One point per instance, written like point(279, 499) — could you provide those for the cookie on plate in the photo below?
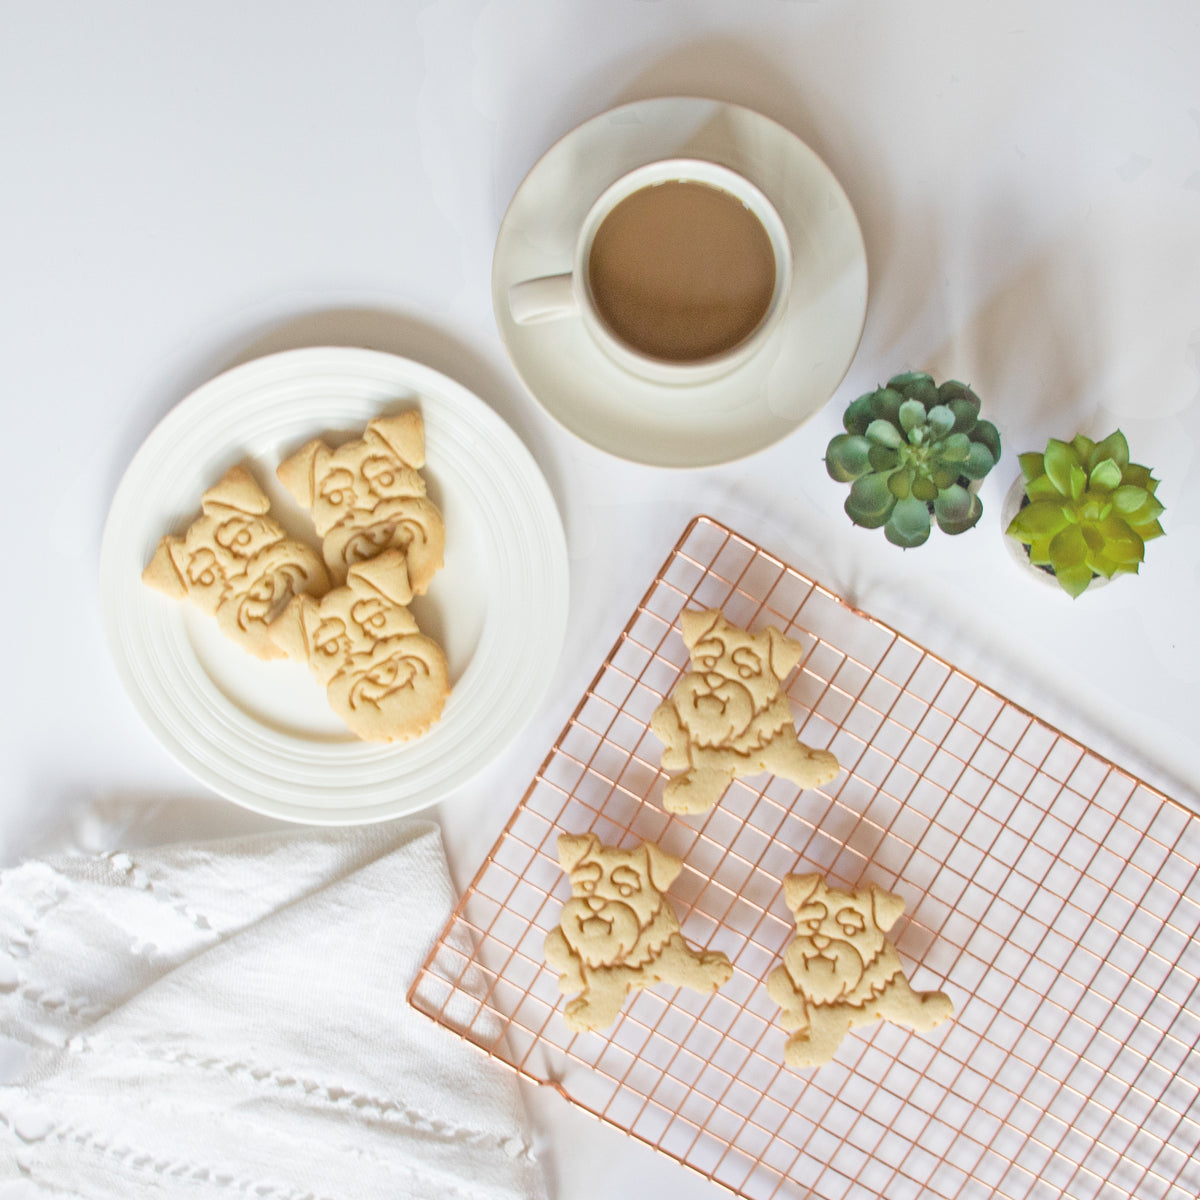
point(383, 677)
point(840, 971)
point(368, 496)
point(237, 563)
point(728, 716)
point(617, 932)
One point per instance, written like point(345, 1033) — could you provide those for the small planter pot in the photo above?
point(1014, 500)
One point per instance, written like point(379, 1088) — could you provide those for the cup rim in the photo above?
point(683, 169)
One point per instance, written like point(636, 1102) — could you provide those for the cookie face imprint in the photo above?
point(728, 716)
point(383, 677)
point(236, 563)
point(840, 971)
point(617, 932)
point(368, 496)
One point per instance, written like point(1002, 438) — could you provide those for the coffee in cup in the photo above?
point(681, 271)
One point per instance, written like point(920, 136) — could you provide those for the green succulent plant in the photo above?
point(910, 453)
point(1090, 511)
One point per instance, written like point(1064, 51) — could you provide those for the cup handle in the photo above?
point(544, 299)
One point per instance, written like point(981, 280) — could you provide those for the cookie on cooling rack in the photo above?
point(618, 933)
point(840, 971)
point(728, 716)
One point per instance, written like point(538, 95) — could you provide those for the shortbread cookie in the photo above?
point(839, 970)
point(728, 716)
point(617, 932)
point(236, 563)
point(384, 678)
point(368, 496)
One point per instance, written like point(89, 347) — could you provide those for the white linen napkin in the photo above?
point(228, 1019)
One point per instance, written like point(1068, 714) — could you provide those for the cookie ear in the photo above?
point(403, 434)
point(386, 575)
point(297, 473)
point(887, 906)
point(694, 624)
point(237, 489)
point(573, 848)
point(161, 572)
point(663, 866)
point(797, 889)
point(785, 653)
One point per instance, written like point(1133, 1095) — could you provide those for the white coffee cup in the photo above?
point(570, 296)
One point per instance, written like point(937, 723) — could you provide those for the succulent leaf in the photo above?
point(847, 457)
point(1105, 476)
point(1074, 580)
point(882, 458)
point(952, 389)
point(858, 414)
point(941, 421)
point(989, 435)
point(925, 489)
point(1033, 465)
point(1068, 548)
point(1116, 447)
point(885, 433)
point(1079, 482)
point(870, 501)
point(910, 379)
point(885, 404)
point(900, 484)
point(1084, 447)
point(951, 517)
point(1059, 459)
point(956, 448)
point(909, 524)
point(1038, 519)
point(912, 414)
point(980, 461)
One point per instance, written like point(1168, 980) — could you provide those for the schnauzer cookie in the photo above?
point(728, 715)
point(368, 496)
point(840, 971)
point(617, 931)
point(383, 677)
point(236, 563)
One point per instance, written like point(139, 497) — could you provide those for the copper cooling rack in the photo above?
point(1052, 895)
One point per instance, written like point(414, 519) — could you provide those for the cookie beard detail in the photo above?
point(830, 973)
point(713, 716)
point(388, 680)
point(602, 937)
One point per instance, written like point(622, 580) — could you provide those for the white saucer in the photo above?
point(760, 402)
point(262, 733)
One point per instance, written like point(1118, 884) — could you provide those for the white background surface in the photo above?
point(186, 186)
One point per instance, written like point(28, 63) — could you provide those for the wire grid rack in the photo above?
point(1053, 896)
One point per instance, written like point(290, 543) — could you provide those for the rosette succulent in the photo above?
point(911, 451)
point(1089, 511)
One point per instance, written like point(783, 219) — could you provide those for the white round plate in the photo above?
point(755, 405)
point(261, 733)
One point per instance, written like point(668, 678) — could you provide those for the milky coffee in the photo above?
point(681, 271)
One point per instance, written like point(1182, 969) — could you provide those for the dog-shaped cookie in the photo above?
point(236, 563)
point(617, 932)
point(382, 676)
point(368, 496)
point(840, 971)
point(728, 715)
